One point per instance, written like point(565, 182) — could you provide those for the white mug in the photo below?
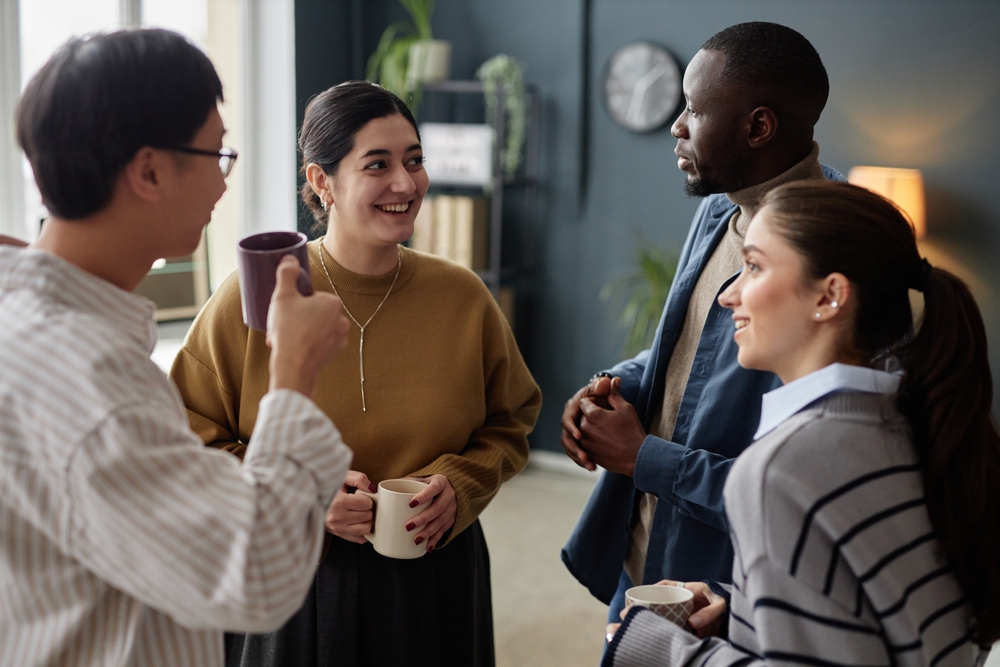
point(673, 603)
point(392, 511)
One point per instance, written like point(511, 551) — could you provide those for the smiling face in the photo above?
point(774, 307)
point(708, 130)
point(378, 187)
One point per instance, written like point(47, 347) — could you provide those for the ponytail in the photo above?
point(947, 393)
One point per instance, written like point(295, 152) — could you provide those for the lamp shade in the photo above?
point(903, 187)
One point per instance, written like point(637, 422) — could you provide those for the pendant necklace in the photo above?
point(361, 350)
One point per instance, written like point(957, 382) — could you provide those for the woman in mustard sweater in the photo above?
point(431, 386)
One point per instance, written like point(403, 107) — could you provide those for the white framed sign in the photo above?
point(457, 154)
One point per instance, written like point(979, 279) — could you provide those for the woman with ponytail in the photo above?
point(864, 517)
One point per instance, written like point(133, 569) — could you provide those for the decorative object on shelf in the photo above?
point(455, 227)
point(408, 55)
point(505, 72)
point(643, 293)
point(642, 86)
point(458, 153)
point(903, 187)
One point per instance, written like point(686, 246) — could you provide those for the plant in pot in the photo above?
point(642, 293)
point(408, 55)
point(504, 73)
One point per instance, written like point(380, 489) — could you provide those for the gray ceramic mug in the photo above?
point(259, 256)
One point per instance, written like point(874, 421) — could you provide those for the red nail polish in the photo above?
point(372, 488)
point(418, 540)
point(414, 503)
point(410, 526)
point(430, 548)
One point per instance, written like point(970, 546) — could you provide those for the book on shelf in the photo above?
point(455, 227)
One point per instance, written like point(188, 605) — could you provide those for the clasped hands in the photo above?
point(707, 614)
point(350, 515)
point(600, 428)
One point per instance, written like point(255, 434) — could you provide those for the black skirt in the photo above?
point(369, 610)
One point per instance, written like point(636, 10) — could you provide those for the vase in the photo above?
point(430, 60)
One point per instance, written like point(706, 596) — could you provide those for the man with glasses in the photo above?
point(125, 541)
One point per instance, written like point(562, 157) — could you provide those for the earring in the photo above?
point(834, 304)
point(323, 202)
point(818, 315)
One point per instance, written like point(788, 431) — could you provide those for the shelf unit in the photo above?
point(441, 94)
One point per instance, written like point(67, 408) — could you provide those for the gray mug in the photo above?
point(259, 256)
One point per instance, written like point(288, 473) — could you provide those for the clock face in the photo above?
point(642, 86)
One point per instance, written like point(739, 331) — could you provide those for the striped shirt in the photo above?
point(836, 560)
point(123, 540)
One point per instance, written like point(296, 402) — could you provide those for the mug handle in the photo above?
point(374, 496)
point(304, 283)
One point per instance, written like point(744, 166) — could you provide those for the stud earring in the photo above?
point(818, 315)
point(834, 304)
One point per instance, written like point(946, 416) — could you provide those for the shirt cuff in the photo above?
point(644, 639)
point(656, 466)
point(292, 426)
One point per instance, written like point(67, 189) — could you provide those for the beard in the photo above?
point(721, 173)
point(699, 187)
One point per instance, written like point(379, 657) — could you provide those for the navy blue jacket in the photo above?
point(718, 416)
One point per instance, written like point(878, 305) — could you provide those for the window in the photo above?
point(251, 44)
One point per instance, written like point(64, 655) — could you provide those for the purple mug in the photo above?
point(259, 256)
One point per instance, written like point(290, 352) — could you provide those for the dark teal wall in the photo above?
point(914, 83)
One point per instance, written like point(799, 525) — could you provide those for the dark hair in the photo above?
point(332, 119)
point(947, 388)
point(101, 98)
point(778, 64)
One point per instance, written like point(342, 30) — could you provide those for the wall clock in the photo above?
point(642, 86)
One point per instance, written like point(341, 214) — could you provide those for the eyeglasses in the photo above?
point(227, 156)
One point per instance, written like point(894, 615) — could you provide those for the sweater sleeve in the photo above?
point(498, 449)
point(792, 622)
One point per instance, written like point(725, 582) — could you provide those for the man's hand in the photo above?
point(610, 436)
point(597, 391)
point(350, 514)
point(304, 333)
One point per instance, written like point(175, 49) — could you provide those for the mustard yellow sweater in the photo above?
point(445, 385)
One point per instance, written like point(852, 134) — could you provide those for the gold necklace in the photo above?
point(361, 350)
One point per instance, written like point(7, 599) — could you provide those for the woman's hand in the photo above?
point(350, 514)
point(707, 613)
point(430, 525)
point(709, 608)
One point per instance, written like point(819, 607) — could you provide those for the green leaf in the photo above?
point(385, 45)
point(642, 293)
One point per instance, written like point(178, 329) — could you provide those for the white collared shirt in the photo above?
point(123, 539)
point(783, 402)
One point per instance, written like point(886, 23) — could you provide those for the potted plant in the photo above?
point(505, 73)
point(408, 55)
point(643, 293)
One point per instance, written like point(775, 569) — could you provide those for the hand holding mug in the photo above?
point(430, 525)
point(349, 516)
point(707, 610)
